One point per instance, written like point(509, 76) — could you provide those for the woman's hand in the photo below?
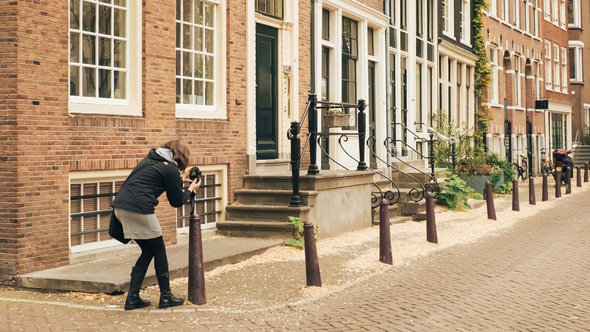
point(196, 184)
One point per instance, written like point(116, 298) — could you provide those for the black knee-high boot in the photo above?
point(167, 300)
point(133, 300)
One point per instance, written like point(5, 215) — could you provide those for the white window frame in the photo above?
point(577, 47)
point(506, 10)
point(547, 10)
point(518, 82)
point(132, 104)
point(493, 7)
point(562, 15)
point(548, 67)
point(555, 12)
point(556, 69)
point(536, 11)
point(219, 108)
point(495, 76)
point(517, 13)
point(449, 18)
point(577, 23)
point(465, 22)
point(564, 72)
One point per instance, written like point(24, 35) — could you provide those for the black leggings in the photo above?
point(152, 248)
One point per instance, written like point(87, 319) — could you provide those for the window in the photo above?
point(272, 8)
point(557, 130)
point(403, 9)
point(325, 89)
point(548, 66)
point(493, 7)
point(527, 16)
point(556, 68)
point(90, 210)
point(447, 17)
point(573, 13)
point(555, 11)
point(207, 203)
point(495, 80)
point(562, 15)
point(506, 10)
point(576, 70)
point(199, 63)
point(370, 41)
point(517, 13)
point(535, 20)
point(349, 59)
point(564, 77)
point(325, 24)
point(517, 71)
point(547, 10)
point(465, 22)
point(105, 57)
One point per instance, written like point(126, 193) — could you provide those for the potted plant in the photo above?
point(475, 169)
point(336, 117)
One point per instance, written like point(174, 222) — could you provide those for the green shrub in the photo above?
point(297, 239)
point(455, 193)
point(501, 170)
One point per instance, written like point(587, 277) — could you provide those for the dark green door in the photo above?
point(266, 92)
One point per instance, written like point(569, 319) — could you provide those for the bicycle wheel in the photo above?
point(525, 170)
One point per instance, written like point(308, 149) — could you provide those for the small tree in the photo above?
point(463, 137)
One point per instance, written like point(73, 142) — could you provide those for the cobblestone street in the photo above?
point(532, 277)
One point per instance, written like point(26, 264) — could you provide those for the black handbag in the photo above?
point(116, 229)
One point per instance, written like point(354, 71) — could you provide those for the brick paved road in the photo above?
point(534, 277)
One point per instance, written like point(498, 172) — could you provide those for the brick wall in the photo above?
point(8, 221)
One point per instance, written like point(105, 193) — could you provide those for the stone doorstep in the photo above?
point(111, 275)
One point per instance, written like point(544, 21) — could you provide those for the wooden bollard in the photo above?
point(515, 198)
point(532, 196)
point(312, 266)
point(490, 201)
point(545, 195)
point(558, 185)
point(578, 177)
point(384, 234)
point(431, 235)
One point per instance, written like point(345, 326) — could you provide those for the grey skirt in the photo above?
point(139, 226)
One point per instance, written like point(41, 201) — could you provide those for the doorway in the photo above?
point(266, 92)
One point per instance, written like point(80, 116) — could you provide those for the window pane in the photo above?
point(209, 93)
point(186, 10)
point(186, 64)
point(89, 49)
point(119, 54)
point(187, 91)
point(178, 34)
point(120, 79)
point(198, 12)
point(198, 39)
point(325, 24)
point(178, 63)
point(74, 81)
point(209, 67)
point(199, 99)
point(120, 3)
point(104, 83)
point(178, 94)
point(120, 20)
point(104, 58)
point(186, 36)
point(209, 41)
point(89, 18)
point(178, 4)
point(74, 47)
point(88, 78)
point(198, 73)
point(209, 18)
point(75, 14)
point(104, 20)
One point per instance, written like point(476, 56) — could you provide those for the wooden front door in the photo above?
point(266, 92)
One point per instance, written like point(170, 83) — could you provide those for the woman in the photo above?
point(134, 206)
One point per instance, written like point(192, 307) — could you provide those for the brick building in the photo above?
point(88, 86)
point(514, 44)
point(578, 18)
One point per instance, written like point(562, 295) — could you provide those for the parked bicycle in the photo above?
point(522, 167)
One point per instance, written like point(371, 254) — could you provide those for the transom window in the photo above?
point(99, 49)
point(195, 52)
point(273, 8)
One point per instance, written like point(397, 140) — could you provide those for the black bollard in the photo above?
point(578, 177)
point(384, 234)
point(586, 171)
point(558, 185)
point(490, 201)
point(515, 198)
point(196, 271)
point(545, 189)
point(431, 235)
point(568, 181)
point(312, 266)
point(532, 196)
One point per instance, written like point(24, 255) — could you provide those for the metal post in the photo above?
point(578, 177)
point(295, 163)
point(558, 185)
point(490, 201)
point(384, 234)
point(568, 181)
point(545, 195)
point(196, 271)
point(312, 117)
point(515, 198)
point(586, 171)
point(431, 152)
point(431, 234)
point(532, 196)
point(312, 266)
point(362, 122)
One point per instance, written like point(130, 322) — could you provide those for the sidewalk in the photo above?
point(276, 278)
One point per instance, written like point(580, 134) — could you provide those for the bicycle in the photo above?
point(521, 168)
point(546, 163)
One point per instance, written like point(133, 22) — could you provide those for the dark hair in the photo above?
point(180, 152)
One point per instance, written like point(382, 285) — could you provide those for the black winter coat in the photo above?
point(150, 178)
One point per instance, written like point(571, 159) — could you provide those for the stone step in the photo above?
point(414, 209)
point(272, 197)
point(272, 166)
point(258, 229)
point(265, 213)
point(419, 163)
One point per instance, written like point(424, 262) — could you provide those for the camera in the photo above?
point(194, 173)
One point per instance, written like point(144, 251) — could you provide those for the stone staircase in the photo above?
point(581, 155)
